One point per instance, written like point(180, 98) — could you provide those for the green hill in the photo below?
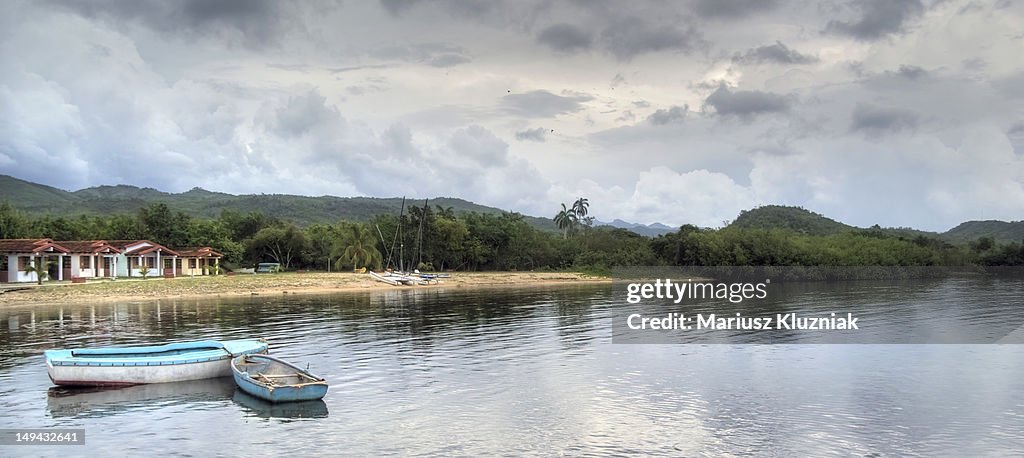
point(795, 219)
point(37, 199)
point(804, 221)
point(31, 196)
point(807, 222)
point(1000, 231)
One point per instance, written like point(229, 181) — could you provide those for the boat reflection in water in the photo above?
point(257, 407)
point(91, 402)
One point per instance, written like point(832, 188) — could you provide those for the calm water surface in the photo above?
point(507, 372)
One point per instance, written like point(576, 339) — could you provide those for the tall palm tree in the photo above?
point(358, 248)
point(565, 220)
point(580, 207)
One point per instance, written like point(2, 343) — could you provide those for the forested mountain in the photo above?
point(803, 221)
point(38, 199)
point(794, 219)
point(41, 200)
point(1000, 231)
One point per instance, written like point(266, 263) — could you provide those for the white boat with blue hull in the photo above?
point(175, 362)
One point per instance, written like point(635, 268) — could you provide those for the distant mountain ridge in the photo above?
point(999, 230)
point(650, 230)
point(805, 221)
point(39, 199)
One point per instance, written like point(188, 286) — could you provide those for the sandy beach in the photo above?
point(271, 284)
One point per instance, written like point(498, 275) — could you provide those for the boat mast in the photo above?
point(384, 244)
point(419, 234)
point(398, 233)
point(401, 239)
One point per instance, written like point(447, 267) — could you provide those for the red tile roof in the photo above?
point(139, 251)
point(101, 246)
point(88, 246)
point(199, 252)
point(30, 246)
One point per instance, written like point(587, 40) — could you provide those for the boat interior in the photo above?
point(274, 373)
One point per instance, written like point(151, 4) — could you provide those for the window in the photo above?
point(3, 263)
point(83, 262)
point(23, 262)
point(191, 263)
point(150, 262)
point(65, 262)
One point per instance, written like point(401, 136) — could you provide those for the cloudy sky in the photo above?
point(895, 112)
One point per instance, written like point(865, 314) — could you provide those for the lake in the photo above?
point(530, 371)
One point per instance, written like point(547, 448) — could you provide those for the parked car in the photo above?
point(268, 267)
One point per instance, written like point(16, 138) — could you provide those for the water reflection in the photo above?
point(257, 407)
point(101, 402)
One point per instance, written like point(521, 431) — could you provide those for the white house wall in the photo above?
point(12, 268)
point(14, 274)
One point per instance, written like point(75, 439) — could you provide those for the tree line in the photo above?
point(434, 238)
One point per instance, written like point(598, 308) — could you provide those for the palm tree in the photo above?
point(445, 212)
point(565, 220)
point(580, 207)
point(358, 248)
point(40, 268)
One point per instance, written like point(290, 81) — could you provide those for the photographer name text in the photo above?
point(714, 321)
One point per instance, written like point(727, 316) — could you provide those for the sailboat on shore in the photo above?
point(401, 276)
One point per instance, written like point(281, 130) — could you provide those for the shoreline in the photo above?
point(126, 290)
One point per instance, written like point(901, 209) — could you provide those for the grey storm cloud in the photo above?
point(463, 8)
point(878, 19)
point(397, 7)
point(873, 119)
point(479, 144)
point(543, 104)
point(911, 71)
point(632, 36)
point(673, 114)
point(534, 135)
point(303, 112)
point(260, 22)
point(728, 9)
point(1016, 135)
point(1017, 130)
point(773, 53)
point(746, 104)
point(565, 38)
point(624, 38)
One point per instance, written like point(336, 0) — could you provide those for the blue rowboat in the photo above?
point(176, 362)
point(275, 380)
